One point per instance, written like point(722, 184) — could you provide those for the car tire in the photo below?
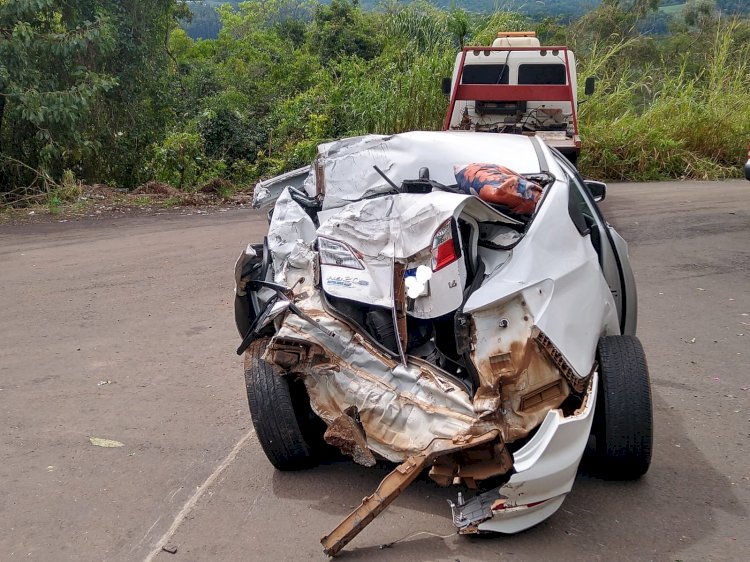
point(288, 430)
point(623, 420)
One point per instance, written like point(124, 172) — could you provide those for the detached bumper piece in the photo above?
point(391, 487)
point(545, 469)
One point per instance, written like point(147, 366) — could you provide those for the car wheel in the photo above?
point(289, 432)
point(623, 419)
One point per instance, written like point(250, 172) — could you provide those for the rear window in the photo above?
point(542, 74)
point(485, 74)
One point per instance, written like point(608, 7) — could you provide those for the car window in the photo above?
point(581, 201)
point(585, 204)
point(579, 211)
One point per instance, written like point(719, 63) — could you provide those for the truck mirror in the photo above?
point(447, 86)
point(590, 85)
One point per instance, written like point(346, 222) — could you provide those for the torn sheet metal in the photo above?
point(402, 410)
point(545, 469)
point(401, 227)
point(517, 377)
point(568, 299)
point(346, 433)
point(344, 169)
point(290, 239)
point(267, 192)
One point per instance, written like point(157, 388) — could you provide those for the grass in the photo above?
point(142, 201)
point(171, 202)
point(655, 124)
point(673, 10)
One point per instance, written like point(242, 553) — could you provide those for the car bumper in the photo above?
point(545, 469)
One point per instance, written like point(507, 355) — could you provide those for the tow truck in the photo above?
point(517, 86)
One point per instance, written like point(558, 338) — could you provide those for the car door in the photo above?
point(609, 245)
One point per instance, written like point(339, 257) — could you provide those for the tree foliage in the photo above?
point(114, 91)
point(80, 79)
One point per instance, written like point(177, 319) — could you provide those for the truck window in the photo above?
point(542, 74)
point(485, 74)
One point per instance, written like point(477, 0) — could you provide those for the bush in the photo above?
point(179, 160)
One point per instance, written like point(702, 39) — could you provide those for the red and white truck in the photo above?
point(517, 86)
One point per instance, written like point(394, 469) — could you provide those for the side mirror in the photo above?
point(590, 87)
point(597, 189)
point(447, 86)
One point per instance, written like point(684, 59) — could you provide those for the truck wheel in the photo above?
point(280, 409)
point(623, 418)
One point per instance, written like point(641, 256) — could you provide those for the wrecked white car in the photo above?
point(417, 301)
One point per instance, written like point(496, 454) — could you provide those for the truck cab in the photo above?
point(517, 86)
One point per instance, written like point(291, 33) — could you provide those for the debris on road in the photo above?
point(106, 443)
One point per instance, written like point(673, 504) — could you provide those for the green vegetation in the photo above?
point(85, 86)
point(649, 124)
point(672, 9)
point(114, 92)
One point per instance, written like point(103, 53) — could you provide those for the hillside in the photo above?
point(206, 24)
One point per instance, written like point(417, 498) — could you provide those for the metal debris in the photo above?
point(347, 434)
point(391, 487)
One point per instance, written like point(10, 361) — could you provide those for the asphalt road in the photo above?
point(122, 329)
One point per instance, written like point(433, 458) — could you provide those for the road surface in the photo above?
point(122, 329)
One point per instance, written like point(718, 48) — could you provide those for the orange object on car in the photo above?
point(500, 186)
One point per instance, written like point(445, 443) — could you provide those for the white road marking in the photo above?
point(190, 504)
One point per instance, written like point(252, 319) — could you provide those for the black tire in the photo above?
point(281, 413)
point(623, 421)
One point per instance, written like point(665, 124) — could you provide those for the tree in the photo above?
point(340, 30)
point(48, 82)
point(79, 78)
point(134, 114)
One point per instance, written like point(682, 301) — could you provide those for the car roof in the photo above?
point(349, 167)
